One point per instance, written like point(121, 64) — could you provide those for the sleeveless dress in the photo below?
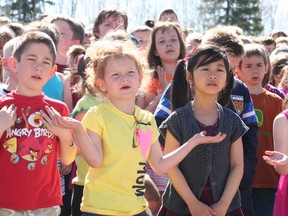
point(281, 200)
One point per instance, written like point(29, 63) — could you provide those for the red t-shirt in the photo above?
point(28, 156)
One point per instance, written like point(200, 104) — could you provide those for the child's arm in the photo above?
point(152, 101)
point(67, 151)
point(161, 164)
point(280, 137)
point(78, 116)
point(90, 143)
point(234, 178)
point(8, 118)
point(180, 184)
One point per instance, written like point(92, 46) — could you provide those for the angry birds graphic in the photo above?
point(28, 140)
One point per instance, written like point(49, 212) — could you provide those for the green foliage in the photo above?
point(26, 10)
point(243, 13)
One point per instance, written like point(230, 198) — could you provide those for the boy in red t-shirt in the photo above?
point(30, 144)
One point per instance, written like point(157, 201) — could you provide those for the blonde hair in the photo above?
point(101, 51)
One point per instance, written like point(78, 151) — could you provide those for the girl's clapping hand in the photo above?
point(162, 79)
point(54, 121)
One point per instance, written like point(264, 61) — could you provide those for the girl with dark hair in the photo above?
point(206, 182)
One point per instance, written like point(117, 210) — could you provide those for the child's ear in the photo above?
point(13, 64)
point(101, 84)
point(237, 72)
point(53, 70)
point(5, 62)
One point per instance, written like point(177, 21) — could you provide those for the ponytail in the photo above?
point(224, 95)
point(181, 93)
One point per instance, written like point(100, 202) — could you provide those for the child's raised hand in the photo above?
point(201, 138)
point(8, 117)
point(276, 158)
point(55, 123)
point(162, 78)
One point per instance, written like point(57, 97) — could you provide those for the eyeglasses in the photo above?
point(137, 128)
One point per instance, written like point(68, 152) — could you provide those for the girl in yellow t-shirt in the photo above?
point(117, 138)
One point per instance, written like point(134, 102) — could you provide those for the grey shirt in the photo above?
point(206, 161)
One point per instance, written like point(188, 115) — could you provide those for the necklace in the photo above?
point(137, 127)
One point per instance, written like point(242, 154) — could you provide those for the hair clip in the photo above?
point(187, 56)
point(81, 56)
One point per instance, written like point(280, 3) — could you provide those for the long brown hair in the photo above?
point(153, 60)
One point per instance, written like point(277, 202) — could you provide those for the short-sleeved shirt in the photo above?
point(54, 88)
point(267, 106)
point(117, 187)
point(86, 102)
point(209, 161)
point(28, 156)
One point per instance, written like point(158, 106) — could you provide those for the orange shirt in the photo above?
point(154, 84)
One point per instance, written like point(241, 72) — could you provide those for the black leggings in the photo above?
point(76, 200)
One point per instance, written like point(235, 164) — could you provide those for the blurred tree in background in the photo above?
point(243, 13)
point(251, 15)
point(24, 11)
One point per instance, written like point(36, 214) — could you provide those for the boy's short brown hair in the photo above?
point(35, 37)
point(142, 28)
point(266, 40)
point(226, 39)
point(275, 33)
point(106, 13)
point(46, 27)
point(167, 11)
point(76, 27)
point(6, 33)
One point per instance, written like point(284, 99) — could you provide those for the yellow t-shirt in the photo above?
point(117, 186)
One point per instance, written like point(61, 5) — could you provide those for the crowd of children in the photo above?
point(161, 120)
